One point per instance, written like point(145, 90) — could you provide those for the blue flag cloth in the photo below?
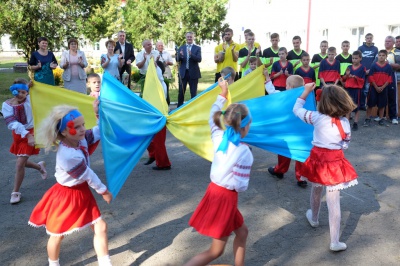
point(127, 126)
point(275, 128)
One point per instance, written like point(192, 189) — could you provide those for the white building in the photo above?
point(314, 21)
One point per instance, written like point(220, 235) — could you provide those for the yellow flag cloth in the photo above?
point(189, 123)
point(44, 97)
point(153, 91)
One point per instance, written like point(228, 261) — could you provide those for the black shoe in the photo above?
point(272, 172)
point(355, 127)
point(149, 161)
point(162, 168)
point(367, 122)
point(302, 184)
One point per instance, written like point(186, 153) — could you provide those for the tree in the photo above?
point(169, 20)
point(25, 21)
point(104, 21)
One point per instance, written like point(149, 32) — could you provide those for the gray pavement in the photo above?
point(148, 219)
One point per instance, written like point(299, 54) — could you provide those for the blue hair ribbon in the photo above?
point(230, 135)
point(68, 117)
point(16, 87)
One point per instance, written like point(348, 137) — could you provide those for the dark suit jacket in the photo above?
point(129, 54)
point(194, 60)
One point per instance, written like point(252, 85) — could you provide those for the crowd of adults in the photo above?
point(120, 56)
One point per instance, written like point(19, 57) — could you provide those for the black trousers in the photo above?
point(183, 81)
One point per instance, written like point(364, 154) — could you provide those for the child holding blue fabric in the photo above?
point(69, 205)
point(217, 215)
point(18, 116)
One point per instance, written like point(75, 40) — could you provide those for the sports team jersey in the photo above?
point(345, 61)
point(358, 81)
point(267, 54)
point(293, 57)
point(242, 56)
point(330, 72)
point(276, 68)
point(380, 74)
point(317, 58)
point(307, 75)
point(228, 60)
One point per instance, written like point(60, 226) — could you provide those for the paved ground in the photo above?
point(148, 220)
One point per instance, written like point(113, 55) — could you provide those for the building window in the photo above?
point(325, 33)
point(394, 30)
point(96, 46)
point(357, 35)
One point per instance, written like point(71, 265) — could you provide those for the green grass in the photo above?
point(9, 63)
point(207, 79)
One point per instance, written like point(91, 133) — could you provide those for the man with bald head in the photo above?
point(165, 58)
point(144, 56)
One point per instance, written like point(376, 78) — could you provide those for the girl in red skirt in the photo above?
point(217, 215)
point(17, 113)
point(69, 205)
point(326, 165)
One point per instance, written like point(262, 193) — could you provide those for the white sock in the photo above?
point(104, 261)
point(54, 262)
point(333, 202)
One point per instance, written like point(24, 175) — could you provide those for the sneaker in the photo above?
point(395, 121)
point(377, 119)
point(355, 126)
point(302, 184)
point(383, 123)
point(15, 197)
point(367, 122)
point(340, 246)
point(309, 218)
point(272, 172)
point(42, 170)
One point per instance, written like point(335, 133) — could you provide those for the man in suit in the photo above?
point(189, 56)
point(126, 49)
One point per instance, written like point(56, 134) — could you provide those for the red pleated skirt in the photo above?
point(64, 210)
point(217, 214)
point(20, 145)
point(328, 167)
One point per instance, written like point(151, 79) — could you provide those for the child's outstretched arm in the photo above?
point(223, 84)
point(305, 115)
point(309, 87)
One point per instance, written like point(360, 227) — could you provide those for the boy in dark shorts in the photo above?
point(380, 76)
point(353, 80)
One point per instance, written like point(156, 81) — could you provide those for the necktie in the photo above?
point(187, 56)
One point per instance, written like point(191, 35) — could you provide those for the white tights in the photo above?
point(333, 202)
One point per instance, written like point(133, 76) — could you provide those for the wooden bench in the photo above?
point(20, 67)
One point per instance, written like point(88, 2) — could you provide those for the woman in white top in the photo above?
point(74, 62)
point(112, 62)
